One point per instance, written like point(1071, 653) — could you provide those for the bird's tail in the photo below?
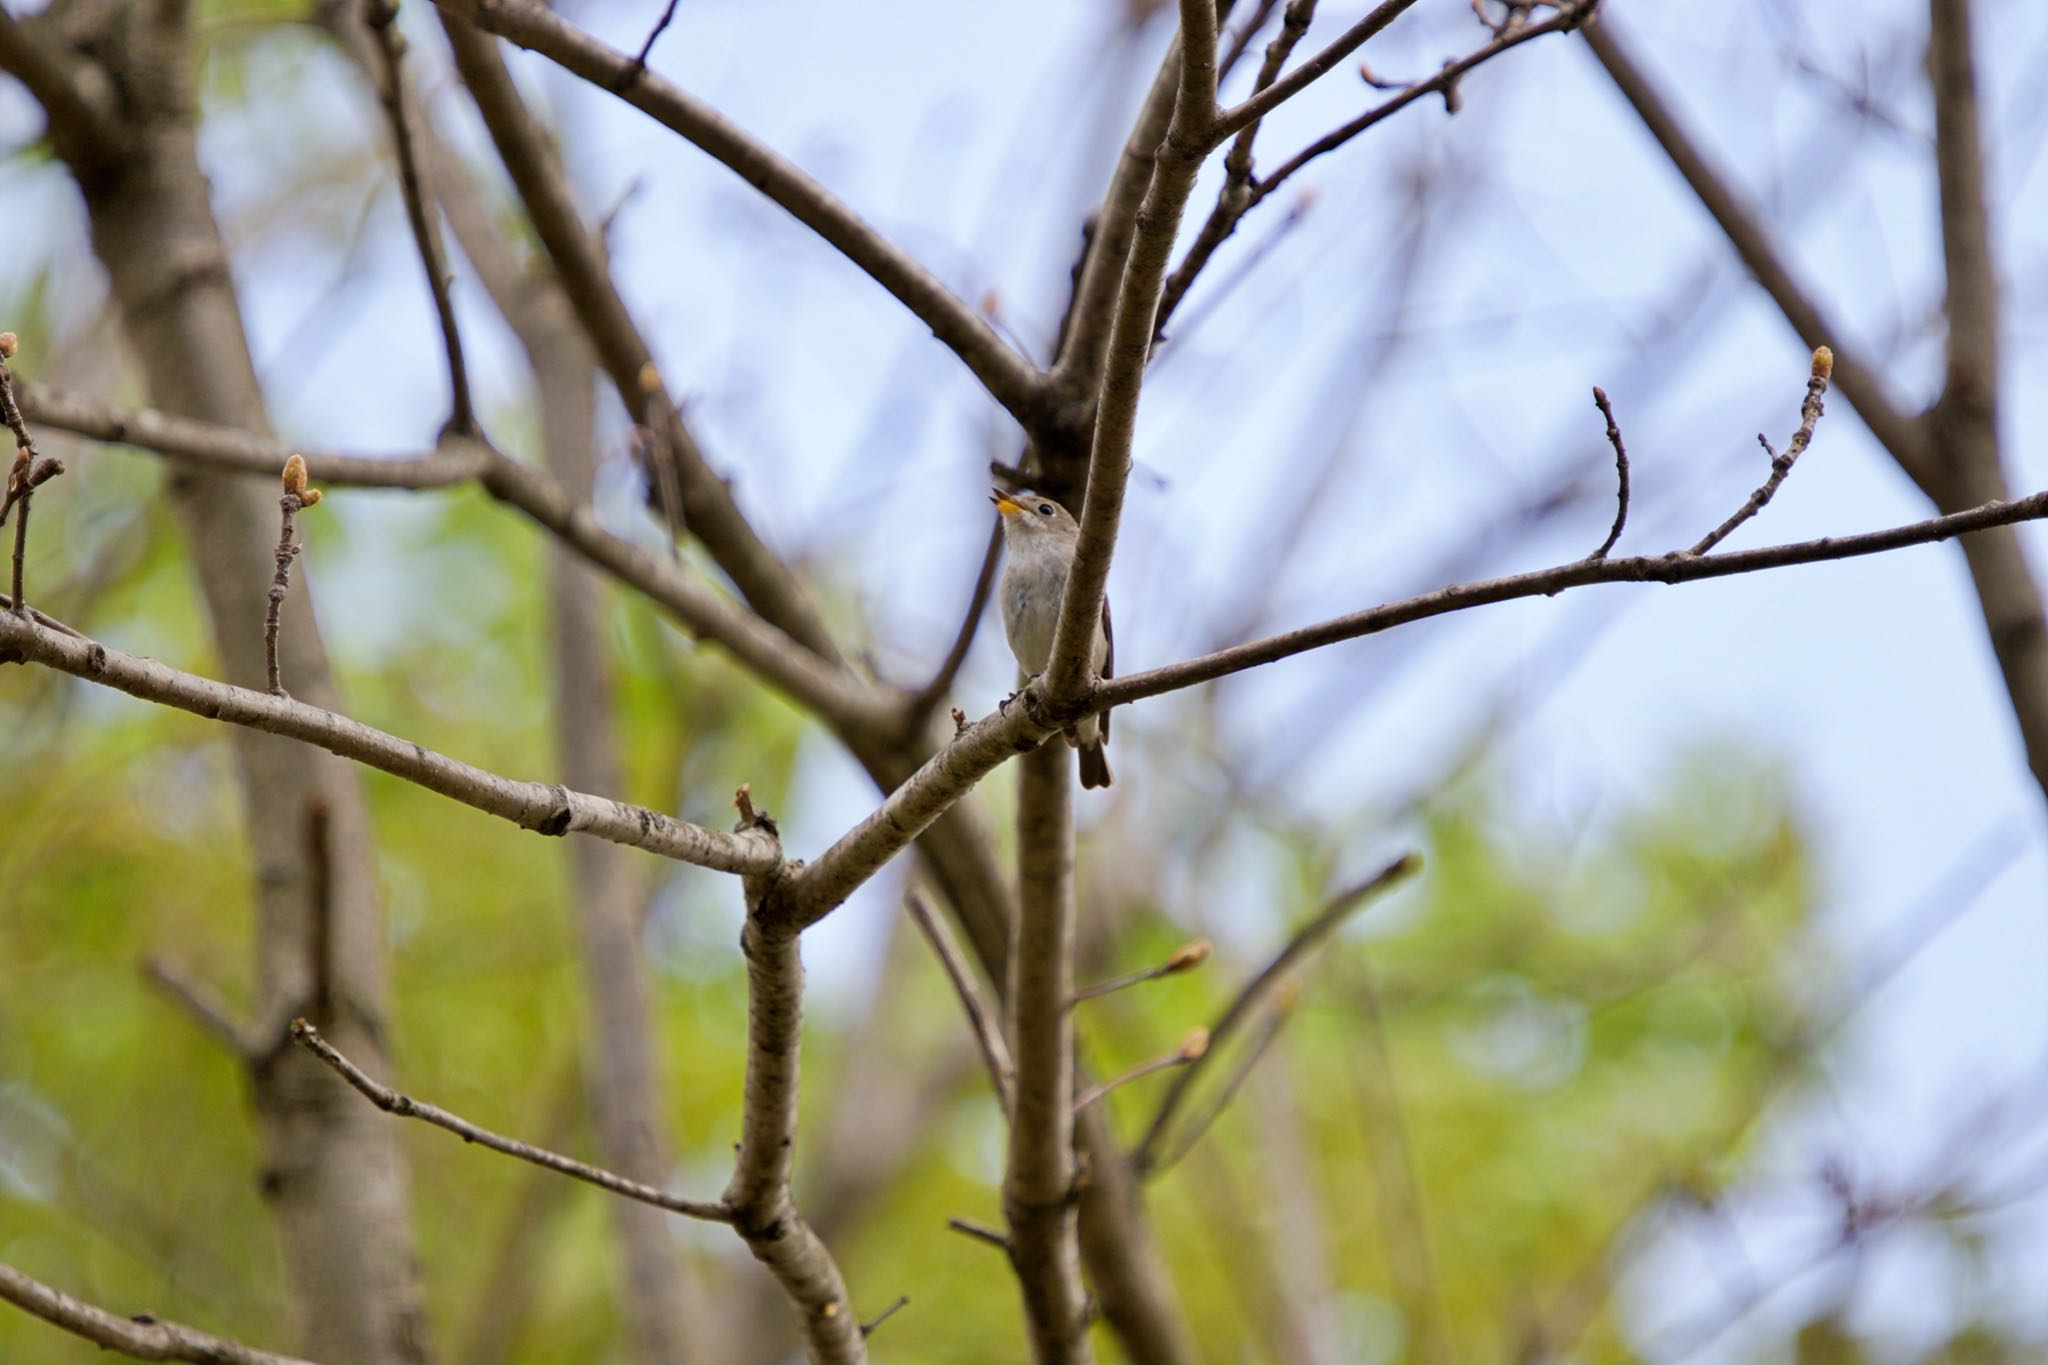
point(1095, 765)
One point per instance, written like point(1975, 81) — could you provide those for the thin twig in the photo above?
point(1568, 17)
point(28, 471)
point(295, 496)
point(22, 484)
point(1191, 1049)
point(1620, 475)
point(224, 448)
point(981, 1016)
point(934, 692)
point(141, 1336)
point(980, 1232)
point(1205, 1117)
point(1241, 40)
point(381, 17)
point(1270, 94)
point(18, 494)
point(1303, 941)
point(1781, 465)
point(201, 1002)
point(1247, 265)
point(404, 1106)
point(668, 15)
point(1185, 958)
point(867, 1329)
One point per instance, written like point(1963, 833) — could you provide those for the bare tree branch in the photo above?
point(1010, 378)
point(142, 1336)
point(381, 18)
point(1241, 38)
point(81, 119)
point(210, 446)
point(539, 806)
point(1970, 393)
point(1235, 196)
point(1180, 158)
point(1952, 452)
point(203, 1005)
point(1190, 1049)
point(1249, 1056)
point(1271, 93)
point(1304, 941)
point(580, 263)
point(406, 1107)
point(823, 884)
point(933, 693)
point(758, 1194)
point(1085, 330)
point(1620, 477)
point(1743, 226)
point(1038, 1179)
point(1675, 567)
point(1781, 465)
point(1185, 958)
point(828, 690)
point(295, 497)
point(1571, 14)
point(981, 1016)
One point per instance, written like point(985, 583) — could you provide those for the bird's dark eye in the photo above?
point(1045, 509)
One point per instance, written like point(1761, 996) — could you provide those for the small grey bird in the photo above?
point(1041, 538)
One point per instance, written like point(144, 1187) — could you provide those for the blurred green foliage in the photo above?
point(1479, 1085)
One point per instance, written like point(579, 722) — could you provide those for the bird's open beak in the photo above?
point(1006, 503)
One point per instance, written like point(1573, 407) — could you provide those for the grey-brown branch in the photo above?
point(543, 807)
point(404, 1106)
point(1781, 465)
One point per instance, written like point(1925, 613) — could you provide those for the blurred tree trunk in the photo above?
point(335, 1177)
point(625, 1096)
point(623, 1091)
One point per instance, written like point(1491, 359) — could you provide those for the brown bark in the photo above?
point(334, 1174)
point(1038, 1186)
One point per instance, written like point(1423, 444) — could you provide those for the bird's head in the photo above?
point(1033, 519)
